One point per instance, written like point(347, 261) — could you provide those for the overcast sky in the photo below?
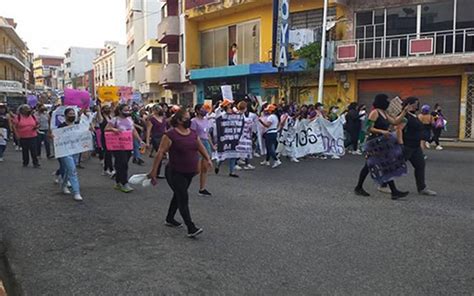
point(52, 26)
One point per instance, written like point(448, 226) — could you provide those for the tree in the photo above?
point(311, 53)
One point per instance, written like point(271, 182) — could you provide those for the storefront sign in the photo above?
point(281, 32)
point(10, 86)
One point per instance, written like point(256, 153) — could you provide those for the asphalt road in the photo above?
point(295, 230)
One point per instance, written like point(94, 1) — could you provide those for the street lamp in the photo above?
point(323, 54)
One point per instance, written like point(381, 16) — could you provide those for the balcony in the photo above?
point(171, 74)
point(168, 29)
point(425, 49)
point(15, 56)
point(153, 73)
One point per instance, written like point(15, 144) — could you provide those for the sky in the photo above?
point(52, 26)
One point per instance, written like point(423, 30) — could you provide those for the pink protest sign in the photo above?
point(126, 93)
point(119, 141)
point(74, 97)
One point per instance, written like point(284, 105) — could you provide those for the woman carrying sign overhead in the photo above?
point(183, 146)
point(122, 123)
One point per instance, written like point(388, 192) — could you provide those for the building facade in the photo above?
point(14, 62)
point(215, 26)
point(44, 68)
point(109, 65)
point(141, 26)
point(78, 60)
point(410, 48)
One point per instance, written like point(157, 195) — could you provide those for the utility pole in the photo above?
point(323, 54)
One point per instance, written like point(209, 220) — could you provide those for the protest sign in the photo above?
point(234, 137)
point(126, 94)
point(385, 159)
point(79, 98)
point(395, 107)
point(3, 136)
point(72, 140)
point(137, 98)
point(304, 137)
point(108, 94)
point(227, 92)
point(119, 141)
point(57, 117)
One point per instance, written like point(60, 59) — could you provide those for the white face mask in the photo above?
point(335, 111)
point(362, 112)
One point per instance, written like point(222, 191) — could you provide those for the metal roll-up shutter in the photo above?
point(443, 90)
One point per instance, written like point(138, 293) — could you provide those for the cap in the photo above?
point(226, 102)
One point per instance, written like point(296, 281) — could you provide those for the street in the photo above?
point(295, 230)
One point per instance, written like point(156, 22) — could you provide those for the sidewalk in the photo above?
point(447, 143)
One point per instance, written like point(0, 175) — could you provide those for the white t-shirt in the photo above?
point(273, 119)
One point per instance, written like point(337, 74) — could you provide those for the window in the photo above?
point(248, 42)
point(465, 17)
point(157, 55)
point(207, 49)
point(437, 16)
point(214, 48)
point(181, 48)
point(401, 20)
point(309, 19)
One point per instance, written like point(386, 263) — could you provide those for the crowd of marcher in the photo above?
point(185, 139)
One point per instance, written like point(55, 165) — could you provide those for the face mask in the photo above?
point(187, 123)
point(71, 118)
point(335, 111)
point(203, 112)
point(126, 113)
point(312, 114)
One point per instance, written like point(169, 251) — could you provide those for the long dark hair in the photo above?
point(178, 116)
point(119, 109)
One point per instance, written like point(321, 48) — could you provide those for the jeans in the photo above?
point(271, 144)
point(2, 150)
point(121, 166)
point(70, 173)
point(29, 147)
point(43, 138)
point(417, 158)
point(179, 183)
point(136, 149)
point(60, 171)
point(232, 164)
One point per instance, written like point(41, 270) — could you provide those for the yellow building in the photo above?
point(14, 68)
point(212, 29)
point(410, 49)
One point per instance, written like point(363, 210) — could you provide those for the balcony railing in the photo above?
point(13, 52)
point(403, 46)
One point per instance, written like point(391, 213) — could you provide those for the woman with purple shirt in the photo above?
point(201, 125)
point(122, 122)
point(183, 146)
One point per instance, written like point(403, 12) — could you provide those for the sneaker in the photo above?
point(241, 162)
point(323, 157)
point(238, 167)
point(427, 145)
point(427, 192)
point(384, 189)
point(204, 192)
point(233, 175)
point(1, 159)
point(79, 166)
point(294, 159)
point(216, 170)
point(267, 163)
point(425, 157)
point(66, 190)
point(193, 232)
point(335, 157)
point(57, 179)
point(256, 154)
point(118, 186)
point(77, 197)
point(399, 194)
point(36, 166)
point(357, 152)
point(173, 223)
point(361, 192)
point(104, 173)
point(249, 167)
point(276, 164)
point(126, 188)
point(17, 148)
point(439, 147)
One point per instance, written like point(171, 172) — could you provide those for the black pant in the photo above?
point(29, 147)
point(363, 175)
point(179, 183)
point(417, 158)
point(43, 138)
point(436, 135)
point(121, 166)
